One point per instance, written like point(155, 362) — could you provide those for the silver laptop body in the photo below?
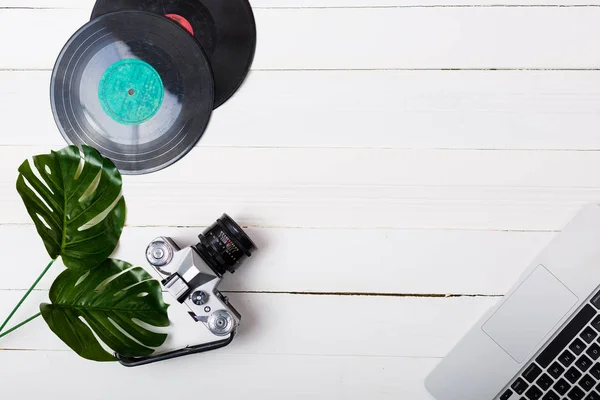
point(511, 353)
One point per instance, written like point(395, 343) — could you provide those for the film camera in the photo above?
point(192, 276)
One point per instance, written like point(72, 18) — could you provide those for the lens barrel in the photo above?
point(224, 245)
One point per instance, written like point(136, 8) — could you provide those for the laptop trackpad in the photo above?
point(530, 313)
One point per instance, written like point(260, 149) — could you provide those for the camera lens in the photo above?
point(225, 245)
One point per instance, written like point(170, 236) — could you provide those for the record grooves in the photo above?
point(225, 29)
point(137, 87)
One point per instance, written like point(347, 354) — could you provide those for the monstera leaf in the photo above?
point(107, 301)
point(74, 198)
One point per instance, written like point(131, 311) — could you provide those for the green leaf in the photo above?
point(109, 299)
point(74, 198)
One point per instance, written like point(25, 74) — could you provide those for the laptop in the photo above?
point(542, 340)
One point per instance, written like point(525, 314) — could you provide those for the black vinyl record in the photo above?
point(225, 29)
point(135, 86)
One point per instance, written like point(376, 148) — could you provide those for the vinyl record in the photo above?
point(224, 28)
point(135, 86)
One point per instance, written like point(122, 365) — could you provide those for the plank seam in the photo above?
point(258, 354)
point(384, 148)
point(468, 69)
point(326, 228)
point(336, 294)
point(367, 294)
point(358, 7)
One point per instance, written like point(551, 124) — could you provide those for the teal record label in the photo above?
point(131, 91)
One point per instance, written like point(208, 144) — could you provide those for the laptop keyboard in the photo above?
point(568, 367)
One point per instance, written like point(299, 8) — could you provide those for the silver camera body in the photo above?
point(192, 281)
point(192, 275)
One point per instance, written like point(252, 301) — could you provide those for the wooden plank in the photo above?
point(352, 188)
point(329, 260)
point(257, 4)
point(363, 38)
point(390, 109)
point(302, 325)
point(216, 376)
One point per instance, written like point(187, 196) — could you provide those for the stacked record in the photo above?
point(140, 81)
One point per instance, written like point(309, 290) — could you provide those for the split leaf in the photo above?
point(74, 198)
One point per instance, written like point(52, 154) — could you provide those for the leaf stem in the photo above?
point(24, 298)
point(28, 320)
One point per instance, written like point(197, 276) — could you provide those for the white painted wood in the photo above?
point(360, 167)
point(390, 109)
point(303, 325)
point(58, 375)
point(329, 260)
point(257, 4)
point(363, 38)
point(352, 188)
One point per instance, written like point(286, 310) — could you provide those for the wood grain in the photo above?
point(257, 4)
point(380, 109)
point(364, 38)
point(383, 154)
point(274, 377)
point(352, 188)
point(329, 260)
point(303, 325)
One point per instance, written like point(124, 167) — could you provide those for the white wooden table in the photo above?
point(399, 162)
